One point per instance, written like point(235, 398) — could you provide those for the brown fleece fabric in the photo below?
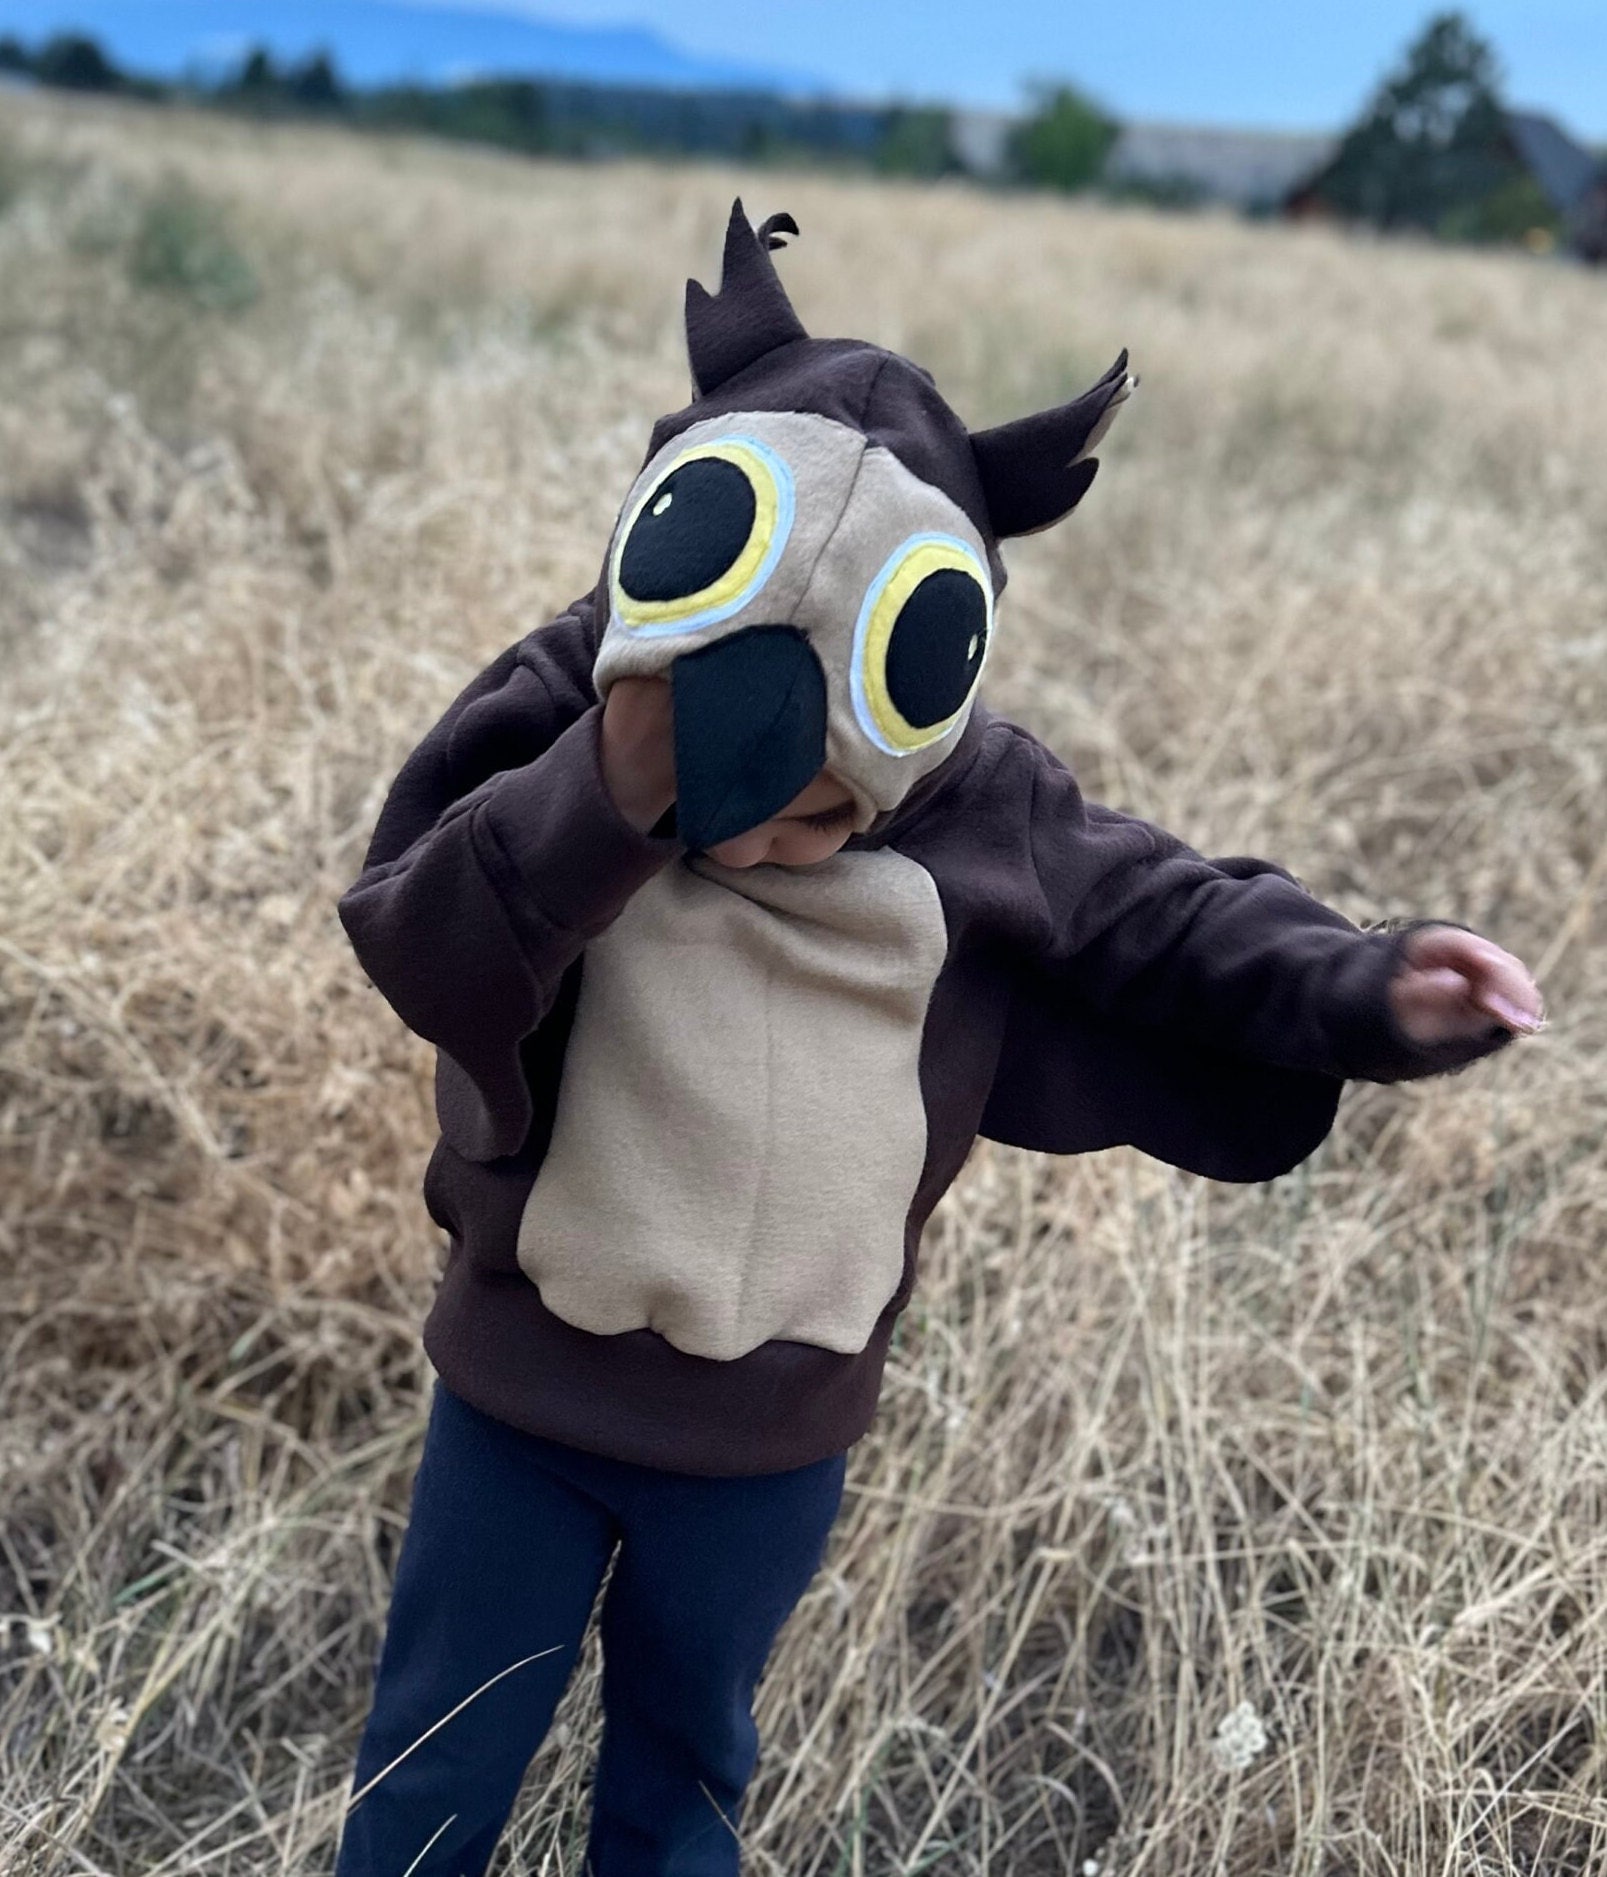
point(1100, 983)
point(693, 1121)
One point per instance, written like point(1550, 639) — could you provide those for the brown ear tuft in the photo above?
point(766, 232)
point(1036, 470)
point(750, 315)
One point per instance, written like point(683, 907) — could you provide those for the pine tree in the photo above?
point(1432, 143)
point(314, 84)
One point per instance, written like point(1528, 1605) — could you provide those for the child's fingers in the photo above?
point(1450, 945)
point(1495, 981)
point(1516, 1009)
point(1515, 1019)
point(1505, 991)
point(1504, 987)
point(1442, 987)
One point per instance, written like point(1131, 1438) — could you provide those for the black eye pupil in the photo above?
point(936, 647)
point(690, 533)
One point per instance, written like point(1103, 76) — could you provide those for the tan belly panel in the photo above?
point(740, 1128)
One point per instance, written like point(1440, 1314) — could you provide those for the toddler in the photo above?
point(735, 917)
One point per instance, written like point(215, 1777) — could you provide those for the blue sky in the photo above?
point(1228, 61)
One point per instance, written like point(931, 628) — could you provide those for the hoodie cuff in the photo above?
point(560, 848)
point(1368, 1042)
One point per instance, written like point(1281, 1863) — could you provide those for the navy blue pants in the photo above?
point(507, 1541)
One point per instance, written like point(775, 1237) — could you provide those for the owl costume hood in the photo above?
point(693, 1119)
point(810, 553)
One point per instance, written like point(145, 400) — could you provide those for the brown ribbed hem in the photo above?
point(635, 1396)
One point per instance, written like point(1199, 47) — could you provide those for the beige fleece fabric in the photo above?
point(740, 1127)
point(855, 504)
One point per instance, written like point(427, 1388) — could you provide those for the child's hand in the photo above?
point(639, 749)
point(1453, 982)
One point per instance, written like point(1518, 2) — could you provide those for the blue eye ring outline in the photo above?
point(786, 508)
point(856, 663)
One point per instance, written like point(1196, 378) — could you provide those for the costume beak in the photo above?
point(750, 730)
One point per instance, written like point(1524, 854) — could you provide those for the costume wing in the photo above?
point(1072, 1078)
point(1205, 1011)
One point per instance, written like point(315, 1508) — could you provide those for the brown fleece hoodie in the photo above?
point(694, 1119)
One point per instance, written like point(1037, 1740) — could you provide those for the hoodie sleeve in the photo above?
point(1234, 953)
point(1206, 1012)
point(499, 853)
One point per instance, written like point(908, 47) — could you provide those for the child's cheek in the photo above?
point(743, 850)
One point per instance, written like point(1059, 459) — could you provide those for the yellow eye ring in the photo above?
point(771, 482)
point(903, 571)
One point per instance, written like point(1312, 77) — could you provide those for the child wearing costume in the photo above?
point(735, 917)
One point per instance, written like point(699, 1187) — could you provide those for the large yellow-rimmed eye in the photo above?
point(703, 537)
point(919, 642)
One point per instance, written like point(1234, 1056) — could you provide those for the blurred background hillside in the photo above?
point(1235, 1530)
point(1437, 146)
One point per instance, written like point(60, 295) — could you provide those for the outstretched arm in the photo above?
point(1237, 954)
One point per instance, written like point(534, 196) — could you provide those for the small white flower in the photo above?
point(41, 1632)
point(1240, 1737)
point(1090, 1867)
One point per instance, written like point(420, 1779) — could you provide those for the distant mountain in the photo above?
point(378, 42)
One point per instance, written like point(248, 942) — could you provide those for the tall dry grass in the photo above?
point(1202, 1528)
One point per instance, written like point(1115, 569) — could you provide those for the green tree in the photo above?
point(1519, 210)
point(315, 85)
point(1064, 142)
point(1432, 143)
point(916, 142)
point(257, 77)
point(76, 63)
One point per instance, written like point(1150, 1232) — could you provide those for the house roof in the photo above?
point(1246, 167)
point(978, 138)
point(1251, 168)
point(1563, 168)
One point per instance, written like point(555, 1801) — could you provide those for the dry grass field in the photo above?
point(1203, 1528)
